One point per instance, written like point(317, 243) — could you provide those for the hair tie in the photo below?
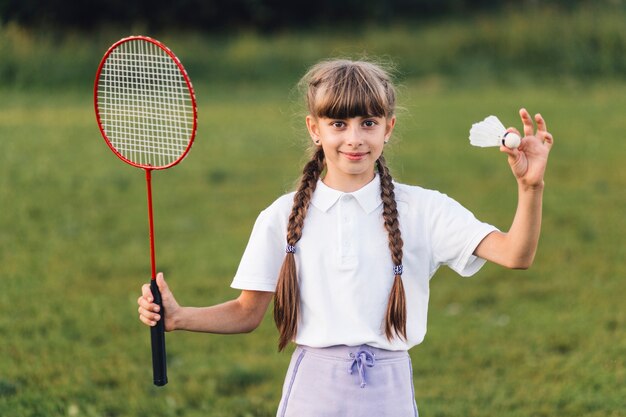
point(398, 269)
point(290, 249)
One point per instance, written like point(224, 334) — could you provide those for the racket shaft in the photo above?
point(151, 224)
point(157, 334)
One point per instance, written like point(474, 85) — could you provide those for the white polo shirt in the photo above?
point(344, 262)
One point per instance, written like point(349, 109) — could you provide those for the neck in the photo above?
point(348, 184)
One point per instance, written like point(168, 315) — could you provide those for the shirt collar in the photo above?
point(368, 196)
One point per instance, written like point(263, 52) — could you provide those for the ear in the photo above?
point(313, 128)
point(389, 127)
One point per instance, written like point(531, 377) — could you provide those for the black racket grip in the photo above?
point(157, 336)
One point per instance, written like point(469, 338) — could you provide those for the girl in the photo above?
point(348, 256)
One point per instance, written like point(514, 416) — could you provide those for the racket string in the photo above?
point(145, 104)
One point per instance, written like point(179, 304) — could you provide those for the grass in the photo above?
point(73, 254)
point(73, 228)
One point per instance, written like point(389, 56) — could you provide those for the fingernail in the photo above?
point(157, 308)
point(157, 317)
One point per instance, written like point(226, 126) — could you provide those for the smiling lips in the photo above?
point(354, 156)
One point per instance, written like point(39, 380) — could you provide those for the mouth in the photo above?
point(354, 156)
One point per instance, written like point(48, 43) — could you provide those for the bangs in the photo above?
point(353, 92)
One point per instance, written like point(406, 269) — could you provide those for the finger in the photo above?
point(513, 130)
point(541, 124)
point(148, 306)
point(529, 127)
point(146, 321)
point(148, 315)
point(146, 292)
point(549, 140)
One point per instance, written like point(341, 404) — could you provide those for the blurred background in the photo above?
point(73, 228)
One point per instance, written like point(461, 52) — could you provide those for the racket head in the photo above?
point(145, 103)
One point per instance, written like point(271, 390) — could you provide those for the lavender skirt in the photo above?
point(343, 381)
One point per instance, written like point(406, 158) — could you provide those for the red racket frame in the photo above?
point(158, 331)
point(187, 81)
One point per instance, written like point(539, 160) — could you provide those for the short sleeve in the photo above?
point(264, 254)
point(455, 234)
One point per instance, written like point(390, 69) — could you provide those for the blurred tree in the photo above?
point(266, 15)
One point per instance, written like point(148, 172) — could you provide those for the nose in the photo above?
point(353, 137)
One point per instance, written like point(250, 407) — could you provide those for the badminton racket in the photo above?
point(146, 111)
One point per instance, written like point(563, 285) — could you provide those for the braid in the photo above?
point(287, 297)
point(395, 319)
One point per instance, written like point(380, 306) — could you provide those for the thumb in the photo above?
point(513, 157)
point(167, 298)
point(160, 280)
point(512, 153)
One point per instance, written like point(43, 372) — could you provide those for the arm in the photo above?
point(517, 247)
point(241, 315)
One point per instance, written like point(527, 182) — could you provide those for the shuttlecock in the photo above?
point(491, 132)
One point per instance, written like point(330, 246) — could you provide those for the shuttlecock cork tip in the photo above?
point(511, 140)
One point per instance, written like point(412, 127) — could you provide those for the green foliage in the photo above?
point(267, 15)
point(515, 46)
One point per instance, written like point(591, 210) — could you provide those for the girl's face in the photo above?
point(351, 147)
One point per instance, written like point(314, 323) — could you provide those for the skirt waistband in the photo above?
point(343, 352)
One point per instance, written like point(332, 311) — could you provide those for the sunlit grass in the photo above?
point(73, 254)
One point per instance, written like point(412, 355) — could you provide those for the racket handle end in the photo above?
point(160, 382)
point(157, 337)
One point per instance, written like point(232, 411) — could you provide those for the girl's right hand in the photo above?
point(149, 312)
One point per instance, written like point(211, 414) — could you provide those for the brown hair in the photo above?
point(341, 89)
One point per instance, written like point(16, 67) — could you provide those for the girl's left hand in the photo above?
point(528, 162)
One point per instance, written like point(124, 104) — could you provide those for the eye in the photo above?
point(369, 123)
point(337, 124)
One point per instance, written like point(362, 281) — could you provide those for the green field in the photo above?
point(543, 342)
point(74, 249)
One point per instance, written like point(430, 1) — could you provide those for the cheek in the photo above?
point(377, 149)
point(331, 142)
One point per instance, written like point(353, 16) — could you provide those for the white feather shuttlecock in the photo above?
point(491, 132)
